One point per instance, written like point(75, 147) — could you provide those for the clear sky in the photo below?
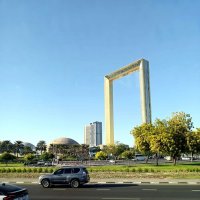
point(54, 55)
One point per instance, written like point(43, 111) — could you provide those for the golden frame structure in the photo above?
point(142, 66)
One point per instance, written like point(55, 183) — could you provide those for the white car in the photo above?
point(140, 157)
point(112, 161)
point(185, 158)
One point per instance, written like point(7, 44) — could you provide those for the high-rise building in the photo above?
point(93, 134)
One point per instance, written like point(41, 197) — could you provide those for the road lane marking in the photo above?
point(103, 189)
point(59, 189)
point(150, 189)
point(121, 198)
point(195, 190)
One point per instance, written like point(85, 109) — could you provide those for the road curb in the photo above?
point(126, 182)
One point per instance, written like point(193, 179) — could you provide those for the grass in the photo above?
point(148, 168)
point(11, 165)
point(164, 170)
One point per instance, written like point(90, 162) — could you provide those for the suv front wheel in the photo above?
point(75, 183)
point(45, 183)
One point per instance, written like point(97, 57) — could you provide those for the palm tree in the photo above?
point(18, 146)
point(41, 146)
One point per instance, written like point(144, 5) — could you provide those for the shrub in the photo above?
point(19, 170)
point(50, 170)
point(133, 169)
point(13, 170)
point(39, 170)
point(146, 170)
point(45, 170)
point(3, 170)
point(34, 170)
point(152, 170)
point(29, 170)
point(24, 170)
point(139, 170)
point(8, 170)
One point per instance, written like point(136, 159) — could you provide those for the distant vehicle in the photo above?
point(73, 176)
point(168, 158)
point(48, 164)
point(140, 157)
point(186, 158)
point(13, 192)
point(40, 163)
point(112, 161)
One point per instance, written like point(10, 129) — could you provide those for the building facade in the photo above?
point(93, 134)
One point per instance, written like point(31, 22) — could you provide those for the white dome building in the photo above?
point(64, 140)
point(27, 144)
point(61, 141)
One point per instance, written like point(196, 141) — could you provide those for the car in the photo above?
point(169, 158)
point(48, 164)
point(139, 157)
point(40, 163)
point(70, 175)
point(112, 161)
point(13, 192)
point(186, 158)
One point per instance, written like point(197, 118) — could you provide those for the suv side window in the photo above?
point(76, 170)
point(68, 171)
point(59, 171)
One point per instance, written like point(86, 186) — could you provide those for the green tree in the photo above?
point(193, 142)
point(128, 154)
point(27, 150)
point(111, 151)
point(142, 135)
point(6, 157)
point(7, 146)
point(83, 153)
point(29, 157)
point(179, 125)
point(100, 155)
point(121, 148)
point(46, 156)
point(158, 138)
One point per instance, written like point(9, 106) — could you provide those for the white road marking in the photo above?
point(121, 198)
point(103, 189)
point(59, 189)
point(150, 189)
point(195, 190)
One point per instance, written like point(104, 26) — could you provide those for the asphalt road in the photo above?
point(115, 192)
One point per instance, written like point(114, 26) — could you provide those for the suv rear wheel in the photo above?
point(45, 183)
point(75, 183)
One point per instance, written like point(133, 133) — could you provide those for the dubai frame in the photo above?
point(142, 66)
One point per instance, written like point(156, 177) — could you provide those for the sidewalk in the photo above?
point(113, 181)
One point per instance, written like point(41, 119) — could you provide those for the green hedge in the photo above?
point(26, 170)
point(110, 169)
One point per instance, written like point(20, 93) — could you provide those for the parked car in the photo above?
point(112, 161)
point(48, 164)
point(169, 158)
point(73, 176)
point(186, 158)
point(40, 163)
point(140, 157)
point(13, 192)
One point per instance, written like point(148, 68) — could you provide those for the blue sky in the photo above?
point(54, 55)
